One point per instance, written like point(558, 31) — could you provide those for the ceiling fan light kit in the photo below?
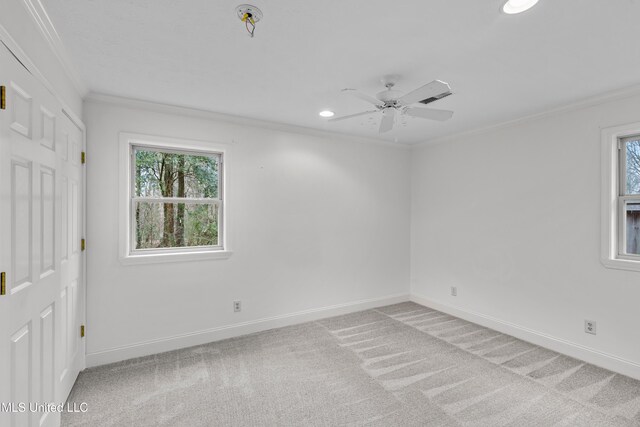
point(393, 103)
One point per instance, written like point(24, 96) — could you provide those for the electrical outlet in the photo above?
point(590, 327)
point(454, 291)
point(237, 306)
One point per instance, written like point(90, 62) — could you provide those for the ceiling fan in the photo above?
point(392, 102)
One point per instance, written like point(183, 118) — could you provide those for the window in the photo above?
point(621, 197)
point(174, 200)
point(629, 197)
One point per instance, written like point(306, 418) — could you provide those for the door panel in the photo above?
point(64, 220)
point(22, 112)
point(47, 357)
point(48, 129)
point(64, 341)
point(74, 218)
point(21, 366)
point(47, 352)
point(22, 214)
point(47, 220)
point(41, 224)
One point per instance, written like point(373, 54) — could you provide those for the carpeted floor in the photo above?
point(400, 365)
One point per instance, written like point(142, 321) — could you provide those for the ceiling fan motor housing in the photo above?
point(389, 96)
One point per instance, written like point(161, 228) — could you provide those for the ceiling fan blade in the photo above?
point(388, 118)
point(429, 113)
point(363, 97)
point(435, 89)
point(337, 119)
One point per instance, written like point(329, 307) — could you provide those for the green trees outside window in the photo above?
point(177, 200)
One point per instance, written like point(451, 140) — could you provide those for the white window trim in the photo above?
point(611, 211)
point(127, 255)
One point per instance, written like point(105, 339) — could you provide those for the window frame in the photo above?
point(624, 198)
point(128, 253)
point(614, 198)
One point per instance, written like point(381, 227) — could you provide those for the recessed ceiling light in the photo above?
point(326, 113)
point(518, 6)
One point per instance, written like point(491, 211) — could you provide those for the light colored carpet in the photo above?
point(400, 365)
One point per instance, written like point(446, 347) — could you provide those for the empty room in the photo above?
point(336, 213)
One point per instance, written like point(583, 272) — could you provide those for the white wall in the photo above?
point(316, 221)
point(17, 21)
point(511, 217)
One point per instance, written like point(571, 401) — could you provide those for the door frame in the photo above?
point(21, 56)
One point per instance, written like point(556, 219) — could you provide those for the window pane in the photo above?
point(173, 225)
point(633, 166)
point(632, 220)
point(161, 174)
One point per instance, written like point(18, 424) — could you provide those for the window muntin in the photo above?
point(629, 197)
point(176, 200)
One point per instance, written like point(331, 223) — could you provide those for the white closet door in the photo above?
point(71, 290)
point(40, 231)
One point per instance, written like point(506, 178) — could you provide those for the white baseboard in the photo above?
point(578, 351)
point(229, 331)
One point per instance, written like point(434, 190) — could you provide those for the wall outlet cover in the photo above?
point(590, 327)
point(454, 291)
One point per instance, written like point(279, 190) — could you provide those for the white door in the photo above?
point(41, 211)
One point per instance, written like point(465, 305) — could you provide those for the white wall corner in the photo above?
point(578, 351)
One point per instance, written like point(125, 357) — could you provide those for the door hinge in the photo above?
point(81, 331)
point(3, 97)
point(3, 283)
point(82, 244)
point(83, 158)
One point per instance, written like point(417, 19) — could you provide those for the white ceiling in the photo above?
point(196, 53)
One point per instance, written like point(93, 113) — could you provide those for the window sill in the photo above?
point(621, 264)
point(175, 257)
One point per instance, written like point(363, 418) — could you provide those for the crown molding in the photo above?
point(102, 98)
point(591, 101)
point(43, 22)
